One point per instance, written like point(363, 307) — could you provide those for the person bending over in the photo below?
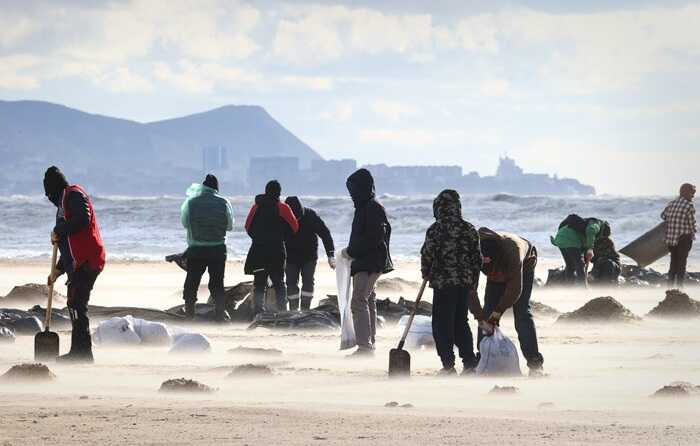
point(302, 254)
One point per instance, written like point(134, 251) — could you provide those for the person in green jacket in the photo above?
point(207, 216)
point(575, 239)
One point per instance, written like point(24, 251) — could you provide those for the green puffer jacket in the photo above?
point(207, 216)
point(568, 237)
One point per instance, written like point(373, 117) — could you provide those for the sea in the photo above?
point(149, 228)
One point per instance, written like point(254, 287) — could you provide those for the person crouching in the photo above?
point(451, 262)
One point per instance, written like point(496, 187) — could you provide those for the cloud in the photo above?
point(306, 82)
point(202, 77)
point(342, 112)
point(394, 111)
point(495, 88)
point(15, 29)
point(14, 73)
point(123, 80)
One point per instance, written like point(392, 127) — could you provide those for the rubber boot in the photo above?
point(189, 309)
point(306, 302)
point(80, 342)
point(294, 304)
point(258, 302)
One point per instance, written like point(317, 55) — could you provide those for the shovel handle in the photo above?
point(413, 314)
point(49, 305)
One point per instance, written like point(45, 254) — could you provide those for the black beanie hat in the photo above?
point(211, 181)
point(54, 182)
point(273, 189)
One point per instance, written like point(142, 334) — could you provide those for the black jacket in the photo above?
point(80, 211)
point(302, 247)
point(269, 224)
point(371, 231)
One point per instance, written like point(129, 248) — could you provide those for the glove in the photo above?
point(331, 262)
point(487, 328)
point(589, 256)
point(345, 254)
point(495, 319)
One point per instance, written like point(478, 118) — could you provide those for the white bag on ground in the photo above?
point(499, 356)
point(152, 333)
point(344, 282)
point(117, 331)
point(190, 343)
point(421, 332)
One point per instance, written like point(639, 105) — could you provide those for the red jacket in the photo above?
point(86, 245)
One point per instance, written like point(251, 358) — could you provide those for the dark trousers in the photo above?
point(199, 260)
point(573, 265)
point(306, 271)
point(606, 271)
point(524, 323)
point(450, 326)
point(80, 285)
point(276, 276)
point(679, 260)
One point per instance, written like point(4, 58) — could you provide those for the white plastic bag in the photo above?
point(499, 356)
point(190, 343)
point(343, 280)
point(117, 331)
point(421, 331)
point(152, 333)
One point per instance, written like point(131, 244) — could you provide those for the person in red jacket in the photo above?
point(270, 222)
point(82, 255)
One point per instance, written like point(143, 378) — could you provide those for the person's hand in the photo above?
point(55, 238)
point(589, 256)
point(331, 262)
point(487, 328)
point(345, 254)
point(53, 277)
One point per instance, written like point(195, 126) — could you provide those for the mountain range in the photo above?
point(119, 156)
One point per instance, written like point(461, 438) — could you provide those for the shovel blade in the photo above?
point(45, 346)
point(399, 363)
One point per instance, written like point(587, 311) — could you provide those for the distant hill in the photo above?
point(119, 156)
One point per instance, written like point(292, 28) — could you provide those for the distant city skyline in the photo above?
point(604, 92)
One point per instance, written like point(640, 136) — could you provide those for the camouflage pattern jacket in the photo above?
point(451, 256)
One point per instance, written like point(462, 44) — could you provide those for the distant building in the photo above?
point(214, 158)
point(284, 169)
point(508, 169)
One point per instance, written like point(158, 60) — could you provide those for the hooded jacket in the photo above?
point(302, 247)
point(268, 224)
point(450, 256)
point(371, 232)
point(568, 237)
point(510, 255)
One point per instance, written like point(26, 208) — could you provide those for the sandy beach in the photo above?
point(600, 379)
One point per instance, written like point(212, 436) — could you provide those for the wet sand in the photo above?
point(598, 389)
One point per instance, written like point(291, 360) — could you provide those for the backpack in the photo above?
point(575, 222)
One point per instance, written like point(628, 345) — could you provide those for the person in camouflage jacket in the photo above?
point(451, 262)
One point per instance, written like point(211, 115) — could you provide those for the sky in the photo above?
point(602, 91)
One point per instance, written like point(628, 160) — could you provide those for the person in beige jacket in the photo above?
point(509, 265)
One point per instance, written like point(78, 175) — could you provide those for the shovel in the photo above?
point(399, 359)
point(46, 342)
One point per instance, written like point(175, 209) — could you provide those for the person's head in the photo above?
point(54, 184)
point(212, 182)
point(447, 204)
point(295, 204)
point(490, 243)
point(273, 189)
point(360, 186)
point(688, 191)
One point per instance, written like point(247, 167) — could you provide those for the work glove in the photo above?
point(331, 262)
point(487, 328)
point(494, 318)
point(589, 256)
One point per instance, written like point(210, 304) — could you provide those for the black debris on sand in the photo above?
point(184, 385)
point(250, 370)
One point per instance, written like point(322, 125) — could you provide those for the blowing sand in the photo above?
point(598, 389)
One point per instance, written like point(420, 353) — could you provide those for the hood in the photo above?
point(54, 185)
point(264, 200)
point(490, 247)
point(360, 186)
point(296, 206)
point(447, 205)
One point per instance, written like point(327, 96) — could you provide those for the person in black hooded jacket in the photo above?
point(369, 250)
point(269, 223)
point(302, 254)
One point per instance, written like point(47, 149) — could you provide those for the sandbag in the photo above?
point(152, 333)
point(499, 356)
point(27, 326)
point(117, 331)
point(190, 343)
point(7, 335)
point(420, 333)
point(343, 281)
